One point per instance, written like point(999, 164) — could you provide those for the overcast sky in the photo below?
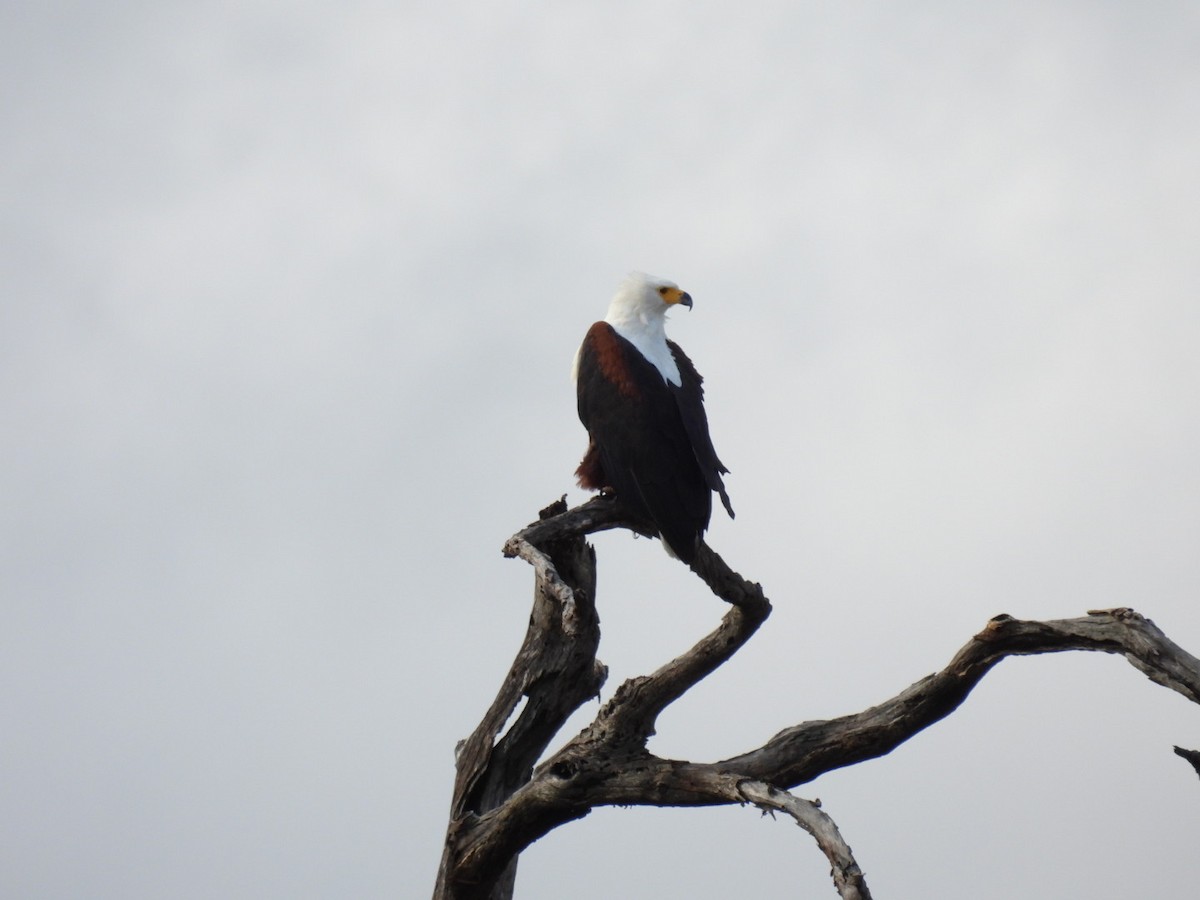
point(290, 295)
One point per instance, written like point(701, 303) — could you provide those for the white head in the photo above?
point(638, 313)
point(642, 301)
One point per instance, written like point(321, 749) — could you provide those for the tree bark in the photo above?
point(556, 671)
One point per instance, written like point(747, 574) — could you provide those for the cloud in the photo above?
point(293, 296)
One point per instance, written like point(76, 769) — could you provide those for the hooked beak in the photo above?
point(673, 296)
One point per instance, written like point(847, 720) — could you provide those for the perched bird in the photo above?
point(641, 401)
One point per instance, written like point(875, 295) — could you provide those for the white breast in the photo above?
point(654, 348)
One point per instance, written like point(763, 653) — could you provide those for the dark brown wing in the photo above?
point(640, 440)
point(690, 398)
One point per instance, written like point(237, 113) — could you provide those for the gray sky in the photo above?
point(290, 296)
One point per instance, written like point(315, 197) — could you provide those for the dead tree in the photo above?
point(504, 799)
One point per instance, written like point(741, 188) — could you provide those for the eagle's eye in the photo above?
point(663, 291)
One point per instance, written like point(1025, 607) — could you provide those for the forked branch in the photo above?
point(502, 803)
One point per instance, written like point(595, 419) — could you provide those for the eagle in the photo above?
point(642, 403)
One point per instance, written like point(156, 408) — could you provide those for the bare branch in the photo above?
point(848, 878)
point(502, 804)
point(614, 744)
point(638, 702)
point(557, 671)
point(601, 513)
point(801, 753)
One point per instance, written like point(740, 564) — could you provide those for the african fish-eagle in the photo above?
point(642, 403)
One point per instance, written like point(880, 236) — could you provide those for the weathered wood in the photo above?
point(847, 877)
point(799, 754)
point(556, 670)
point(485, 837)
point(503, 803)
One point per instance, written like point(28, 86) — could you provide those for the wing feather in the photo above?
point(689, 396)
